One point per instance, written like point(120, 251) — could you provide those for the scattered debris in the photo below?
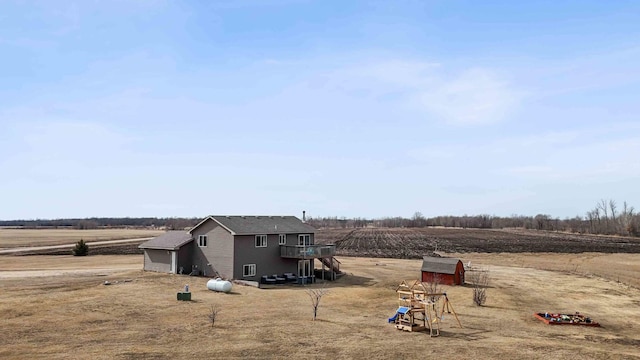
point(107, 282)
point(565, 319)
point(247, 283)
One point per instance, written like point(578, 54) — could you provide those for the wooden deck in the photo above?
point(307, 251)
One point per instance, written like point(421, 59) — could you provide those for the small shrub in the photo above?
point(81, 249)
point(480, 281)
point(315, 295)
point(213, 314)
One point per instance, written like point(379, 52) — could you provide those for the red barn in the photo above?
point(446, 271)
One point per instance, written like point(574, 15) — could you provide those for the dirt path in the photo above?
point(46, 273)
point(70, 246)
point(14, 267)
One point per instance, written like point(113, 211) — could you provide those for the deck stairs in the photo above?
point(336, 264)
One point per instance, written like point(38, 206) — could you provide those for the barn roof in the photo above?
point(256, 225)
point(439, 265)
point(171, 240)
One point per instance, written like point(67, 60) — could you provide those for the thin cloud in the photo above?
point(474, 97)
point(530, 169)
point(44, 142)
point(590, 155)
point(468, 97)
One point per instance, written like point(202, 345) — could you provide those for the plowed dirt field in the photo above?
point(407, 243)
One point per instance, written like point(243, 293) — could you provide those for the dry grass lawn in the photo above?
point(11, 238)
point(53, 314)
point(623, 268)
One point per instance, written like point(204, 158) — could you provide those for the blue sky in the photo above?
point(339, 108)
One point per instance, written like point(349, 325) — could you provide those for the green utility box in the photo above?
point(184, 296)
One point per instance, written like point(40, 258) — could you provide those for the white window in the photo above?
point(261, 240)
point(248, 270)
point(304, 239)
point(282, 239)
point(202, 240)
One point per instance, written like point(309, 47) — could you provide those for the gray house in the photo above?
point(240, 247)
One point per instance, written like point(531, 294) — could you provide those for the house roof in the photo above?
point(171, 240)
point(439, 265)
point(254, 225)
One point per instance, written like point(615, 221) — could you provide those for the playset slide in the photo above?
point(393, 318)
point(401, 310)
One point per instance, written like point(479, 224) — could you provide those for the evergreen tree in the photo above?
point(81, 249)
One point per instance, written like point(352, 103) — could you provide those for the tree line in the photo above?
point(606, 218)
point(175, 223)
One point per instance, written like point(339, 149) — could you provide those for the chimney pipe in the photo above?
point(304, 216)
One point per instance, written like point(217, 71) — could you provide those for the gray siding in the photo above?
point(157, 260)
point(313, 239)
point(267, 260)
point(218, 252)
point(292, 239)
point(184, 258)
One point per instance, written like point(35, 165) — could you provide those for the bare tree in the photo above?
point(542, 221)
point(591, 216)
point(602, 205)
point(625, 217)
point(480, 281)
point(433, 286)
point(613, 207)
point(316, 295)
point(213, 314)
point(626, 220)
point(418, 220)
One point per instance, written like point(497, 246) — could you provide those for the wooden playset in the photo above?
point(418, 309)
point(565, 319)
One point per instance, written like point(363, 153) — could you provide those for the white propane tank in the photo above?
point(219, 285)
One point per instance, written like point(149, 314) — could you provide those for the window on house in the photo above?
point(304, 239)
point(282, 240)
point(261, 240)
point(202, 240)
point(248, 270)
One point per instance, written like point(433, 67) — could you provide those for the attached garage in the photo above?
point(165, 252)
point(157, 260)
point(446, 271)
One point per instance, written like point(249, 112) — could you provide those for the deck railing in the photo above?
point(307, 251)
